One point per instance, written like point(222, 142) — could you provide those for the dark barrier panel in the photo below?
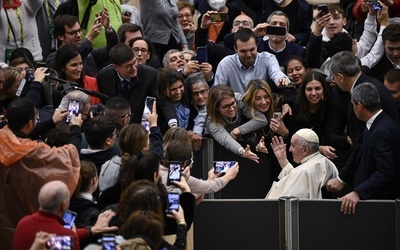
point(323, 226)
point(236, 224)
point(296, 224)
point(253, 181)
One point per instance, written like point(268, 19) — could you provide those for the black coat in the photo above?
point(377, 172)
point(87, 211)
point(340, 108)
point(143, 85)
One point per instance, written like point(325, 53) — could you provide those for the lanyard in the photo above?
point(9, 30)
point(116, 6)
point(47, 7)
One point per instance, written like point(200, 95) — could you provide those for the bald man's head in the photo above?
point(54, 196)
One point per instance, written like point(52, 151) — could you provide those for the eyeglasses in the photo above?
point(74, 32)
point(130, 66)
point(182, 16)
point(127, 115)
point(87, 114)
point(202, 92)
point(244, 23)
point(228, 106)
point(143, 50)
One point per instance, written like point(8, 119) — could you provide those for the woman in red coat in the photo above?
point(68, 64)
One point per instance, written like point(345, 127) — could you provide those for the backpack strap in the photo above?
point(85, 18)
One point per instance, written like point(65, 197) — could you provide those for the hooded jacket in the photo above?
point(25, 165)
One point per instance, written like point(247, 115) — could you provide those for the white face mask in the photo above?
point(278, 1)
point(217, 4)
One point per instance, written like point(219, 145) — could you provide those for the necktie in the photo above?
point(125, 89)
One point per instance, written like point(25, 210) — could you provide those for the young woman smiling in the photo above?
point(68, 64)
point(309, 110)
point(224, 120)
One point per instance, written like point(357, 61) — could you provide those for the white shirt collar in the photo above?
point(372, 119)
point(354, 83)
point(87, 196)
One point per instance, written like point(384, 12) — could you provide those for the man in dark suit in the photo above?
point(346, 72)
point(376, 173)
point(391, 58)
point(128, 79)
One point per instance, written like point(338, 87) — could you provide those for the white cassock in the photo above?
point(306, 180)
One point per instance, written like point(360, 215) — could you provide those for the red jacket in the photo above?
point(46, 222)
point(91, 84)
point(359, 15)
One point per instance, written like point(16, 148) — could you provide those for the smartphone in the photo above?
point(277, 115)
point(323, 8)
point(172, 202)
point(21, 87)
point(108, 242)
point(202, 54)
point(73, 109)
point(30, 75)
point(59, 242)
point(150, 102)
point(219, 17)
point(375, 5)
point(69, 218)
point(174, 172)
point(222, 166)
point(275, 30)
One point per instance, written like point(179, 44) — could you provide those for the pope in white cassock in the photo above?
point(306, 180)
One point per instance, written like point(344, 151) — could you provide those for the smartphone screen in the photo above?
point(323, 8)
point(222, 166)
point(108, 242)
point(375, 5)
point(59, 242)
point(173, 202)
point(275, 30)
point(202, 54)
point(73, 109)
point(30, 75)
point(69, 218)
point(219, 17)
point(150, 102)
point(174, 172)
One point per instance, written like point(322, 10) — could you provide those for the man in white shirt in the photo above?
point(238, 69)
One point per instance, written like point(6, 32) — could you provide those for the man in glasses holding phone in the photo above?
point(277, 44)
point(68, 31)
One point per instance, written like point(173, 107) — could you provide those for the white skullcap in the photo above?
point(308, 135)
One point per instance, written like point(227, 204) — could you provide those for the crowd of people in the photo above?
point(100, 101)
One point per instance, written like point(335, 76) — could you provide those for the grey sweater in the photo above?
point(160, 21)
point(221, 133)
